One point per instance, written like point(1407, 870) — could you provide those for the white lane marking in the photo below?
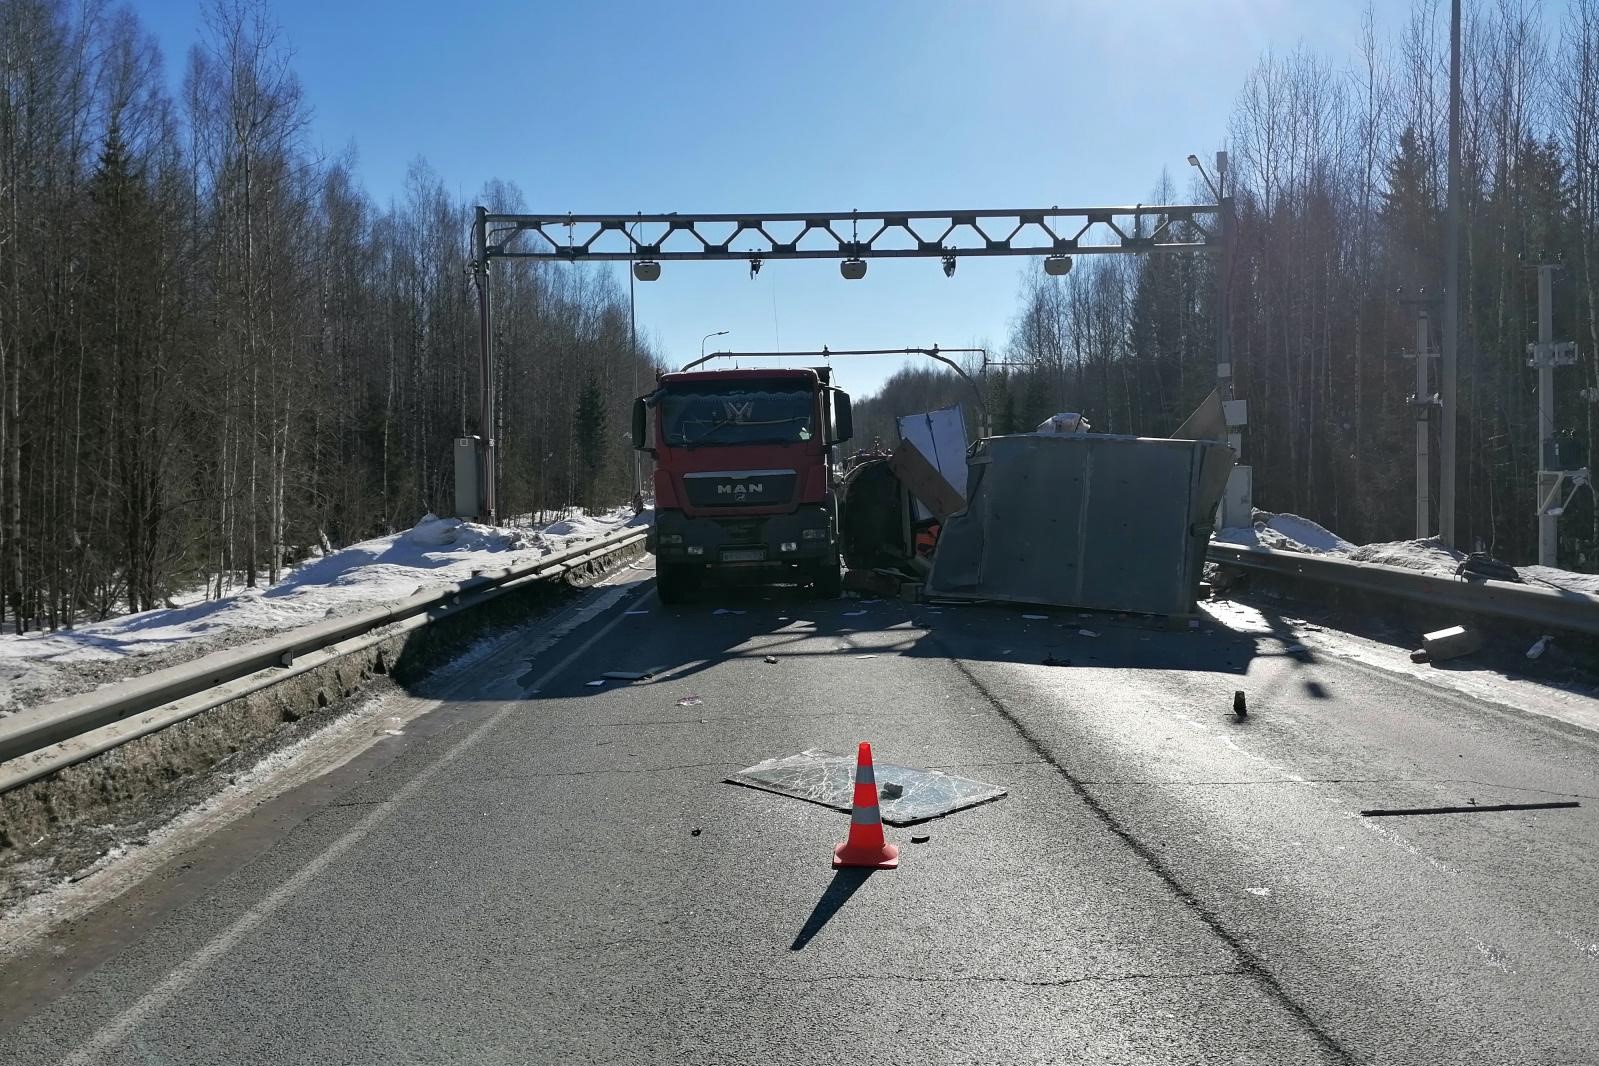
point(116, 1030)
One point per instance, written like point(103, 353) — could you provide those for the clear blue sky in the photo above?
point(658, 106)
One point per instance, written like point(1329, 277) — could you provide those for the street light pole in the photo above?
point(1448, 389)
point(632, 343)
point(708, 336)
point(486, 473)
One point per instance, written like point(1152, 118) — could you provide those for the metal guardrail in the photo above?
point(44, 724)
point(1548, 608)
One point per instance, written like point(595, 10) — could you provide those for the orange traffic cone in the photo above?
point(865, 846)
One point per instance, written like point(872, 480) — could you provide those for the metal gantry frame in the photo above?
point(1056, 233)
point(935, 352)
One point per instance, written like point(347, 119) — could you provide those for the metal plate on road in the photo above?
point(744, 555)
point(827, 778)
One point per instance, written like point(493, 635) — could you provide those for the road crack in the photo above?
point(1003, 979)
point(511, 778)
point(1253, 965)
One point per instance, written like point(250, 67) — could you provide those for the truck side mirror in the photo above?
point(640, 424)
point(843, 419)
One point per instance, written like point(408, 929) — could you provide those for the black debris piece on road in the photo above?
point(1474, 808)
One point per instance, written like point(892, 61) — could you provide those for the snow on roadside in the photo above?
point(1279, 633)
point(1288, 532)
point(435, 552)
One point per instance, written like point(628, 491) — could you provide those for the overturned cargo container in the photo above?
point(1092, 521)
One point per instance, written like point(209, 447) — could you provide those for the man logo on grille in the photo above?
point(739, 492)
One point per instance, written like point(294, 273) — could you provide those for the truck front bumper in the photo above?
point(804, 535)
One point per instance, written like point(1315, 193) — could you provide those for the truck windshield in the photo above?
point(737, 413)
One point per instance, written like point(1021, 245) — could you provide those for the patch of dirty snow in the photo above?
point(1287, 532)
point(1429, 556)
point(1560, 579)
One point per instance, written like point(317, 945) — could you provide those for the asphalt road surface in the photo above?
point(541, 870)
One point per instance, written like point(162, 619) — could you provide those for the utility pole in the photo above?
point(632, 334)
point(1224, 264)
point(485, 442)
point(1423, 430)
point(1545, 355)
point(1548, 524)
point(1449, 392)
point(1422, 403)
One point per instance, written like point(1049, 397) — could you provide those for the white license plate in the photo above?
point(744, 555)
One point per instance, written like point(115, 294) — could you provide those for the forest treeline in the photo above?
point(217, 352)
point(1338, 169)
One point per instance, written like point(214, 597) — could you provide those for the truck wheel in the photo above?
point(672, 582)
point(829, 581)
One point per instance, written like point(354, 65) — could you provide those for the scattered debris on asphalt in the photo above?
point(1036, 617)
point(694, 832)
point(921, 838)
point(893, 789)
point(627, 675)
point(690, 701)
point(724, 610)
point(1539, 646)
point(826, 778)
point(1450, 643)
point(638, 612)
point(853, 614)
point(1086, 633)
point(595, 684)
point(1395, 812)
point(770, 659)
point(1240, 708)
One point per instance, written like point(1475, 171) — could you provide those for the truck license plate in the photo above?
point(744, 555)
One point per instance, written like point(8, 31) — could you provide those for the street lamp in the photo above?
point(708, 336)
point(1193, 161)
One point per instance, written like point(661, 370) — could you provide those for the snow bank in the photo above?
point(1287, 532)
point(1290, 532)
point(433, 553)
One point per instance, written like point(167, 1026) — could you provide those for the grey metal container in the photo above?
point(1093, 521)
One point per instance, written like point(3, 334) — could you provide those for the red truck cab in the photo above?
point(744, 475)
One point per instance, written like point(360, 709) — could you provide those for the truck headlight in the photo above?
point(789, 546)
point(814, 534)
point(671, 538)
point(694, 549)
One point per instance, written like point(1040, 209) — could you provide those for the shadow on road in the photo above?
point(845, 884)
point(676, 642)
